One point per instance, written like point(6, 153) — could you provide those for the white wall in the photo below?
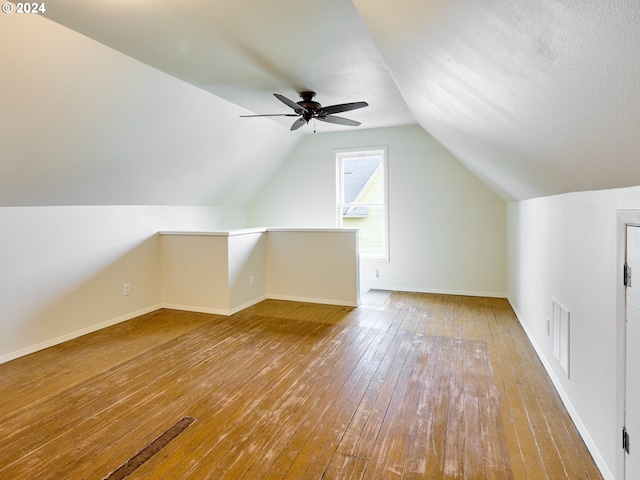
point(448, 230)
point(63, 268)
point(195, 271)
point(568, 247)
point(247, 259)
point(210, 271)
point(83, 125)
point(224, 272)
point(313, 266)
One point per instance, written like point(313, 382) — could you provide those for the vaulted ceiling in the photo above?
point(535, 98)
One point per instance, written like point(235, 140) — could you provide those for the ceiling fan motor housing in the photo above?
point(313, 108)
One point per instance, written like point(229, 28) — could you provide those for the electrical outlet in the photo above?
point(251, 281)
point(126, 290)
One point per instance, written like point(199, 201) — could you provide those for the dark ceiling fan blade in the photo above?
point(290, 103)
point(273, 115)
point(344, 107)
point(338, 120)
point(298, 123)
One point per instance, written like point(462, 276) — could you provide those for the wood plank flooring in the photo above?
point(423, 387)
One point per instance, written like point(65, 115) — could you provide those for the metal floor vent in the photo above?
point(150, 450)
point(560, 333)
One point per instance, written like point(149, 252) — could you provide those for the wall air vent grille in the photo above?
point(560, 333)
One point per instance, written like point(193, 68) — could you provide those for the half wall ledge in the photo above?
point(225, 271)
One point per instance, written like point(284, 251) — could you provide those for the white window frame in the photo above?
point(342, 154)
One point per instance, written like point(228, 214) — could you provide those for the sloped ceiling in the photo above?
point(535, 98)
point(246, 50)
point(81, 124)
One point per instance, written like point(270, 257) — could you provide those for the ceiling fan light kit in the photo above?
point(308, 109)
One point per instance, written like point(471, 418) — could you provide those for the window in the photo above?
point(362, 198)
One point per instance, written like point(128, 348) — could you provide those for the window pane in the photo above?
point(370, 220)
point(362, 198)
point(362, 180)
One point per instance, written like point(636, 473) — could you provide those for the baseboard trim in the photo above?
point(324, 301)
point(78, 333)
point(192, 308)
point(248, 304)
point(584, 433)
point(465, 293)
point(216, 311)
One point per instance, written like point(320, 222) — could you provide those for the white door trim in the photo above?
point(625, 217)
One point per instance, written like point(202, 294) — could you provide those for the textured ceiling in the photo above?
point(535, 98)
point(246, 50)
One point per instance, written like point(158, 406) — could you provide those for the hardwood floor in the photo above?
point(424, 387)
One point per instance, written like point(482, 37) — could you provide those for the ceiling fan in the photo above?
point(307, 109)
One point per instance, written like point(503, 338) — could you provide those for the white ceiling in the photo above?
point(246, 50)
point(535, 98)
point(82, 124)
